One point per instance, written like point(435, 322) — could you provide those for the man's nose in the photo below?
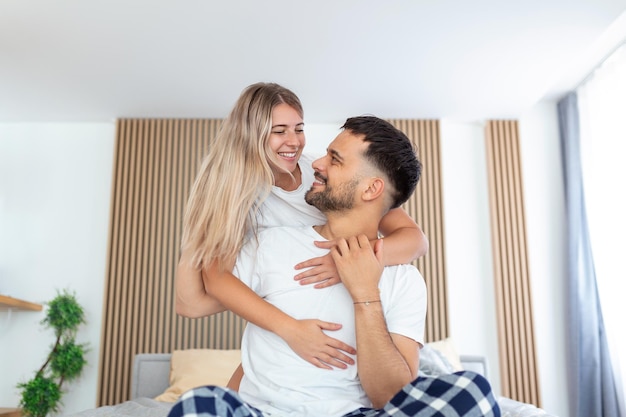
point(319, 164)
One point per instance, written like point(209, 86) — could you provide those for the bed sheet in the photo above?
point(147, 407)
point(140, 407)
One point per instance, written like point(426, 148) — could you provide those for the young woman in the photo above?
point(255, 176)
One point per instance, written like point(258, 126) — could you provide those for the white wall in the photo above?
point(319, 136)
point(545, 220)
point(55, 189)
point(468, 246)
point(468, 242)
point(54, 207)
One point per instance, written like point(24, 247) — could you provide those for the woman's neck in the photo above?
point(288, 182)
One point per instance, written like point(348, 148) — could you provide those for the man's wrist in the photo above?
point(365, 295)
point(367, 302)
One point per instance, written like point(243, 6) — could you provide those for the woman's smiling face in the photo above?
point(287, 137)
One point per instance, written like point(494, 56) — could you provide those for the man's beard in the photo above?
point(329, 199)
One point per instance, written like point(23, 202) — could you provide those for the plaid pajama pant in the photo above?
point(463, 393)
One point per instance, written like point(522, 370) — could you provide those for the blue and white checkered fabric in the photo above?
point(213, 401)
point(464, 393)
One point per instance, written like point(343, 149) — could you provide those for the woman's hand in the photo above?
point(322, 269)
point(309, 341)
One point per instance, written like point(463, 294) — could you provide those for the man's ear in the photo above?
point(375, 189)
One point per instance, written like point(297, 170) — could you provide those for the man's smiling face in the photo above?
point(338, 174)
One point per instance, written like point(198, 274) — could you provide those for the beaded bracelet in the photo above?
point(367, 302)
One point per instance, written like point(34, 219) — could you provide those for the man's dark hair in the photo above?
point(391, 151)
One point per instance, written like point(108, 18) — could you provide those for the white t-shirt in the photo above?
point(288, 208)
point(276, 380)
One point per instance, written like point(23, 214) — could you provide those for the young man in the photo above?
point(370, 168)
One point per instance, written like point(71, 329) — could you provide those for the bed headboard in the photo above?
point(151, 372)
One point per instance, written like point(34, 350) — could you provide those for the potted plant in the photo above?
point(42, 394)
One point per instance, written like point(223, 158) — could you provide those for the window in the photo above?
point(602, 110)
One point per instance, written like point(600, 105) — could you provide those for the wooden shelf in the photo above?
point(10, 412)
point(10, 303)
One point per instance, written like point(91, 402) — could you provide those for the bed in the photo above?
point(159, 378)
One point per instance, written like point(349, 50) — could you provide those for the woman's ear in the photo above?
point(375, 189)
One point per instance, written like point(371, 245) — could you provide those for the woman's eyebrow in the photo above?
point(286, 125)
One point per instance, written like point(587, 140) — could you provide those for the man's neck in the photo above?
point(347, 224)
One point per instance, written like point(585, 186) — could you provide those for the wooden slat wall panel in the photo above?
point(512, 282)
point(426, 208)
point(155, 164)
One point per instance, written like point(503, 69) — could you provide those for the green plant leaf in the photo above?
point(64, 314)
point(68, 360)
point(40, 396)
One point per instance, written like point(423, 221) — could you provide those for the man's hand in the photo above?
point(360, 266)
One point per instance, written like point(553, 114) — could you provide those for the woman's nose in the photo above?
point(292, 139)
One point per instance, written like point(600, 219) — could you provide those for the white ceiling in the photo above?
point(97, 60)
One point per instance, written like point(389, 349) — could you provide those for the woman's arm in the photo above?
point(201, 293)
point(404, 241)
point(305, 337)
point(192, 300)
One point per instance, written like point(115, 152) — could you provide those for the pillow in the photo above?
point(433, 363)
point(447, 348)
point(193, 368)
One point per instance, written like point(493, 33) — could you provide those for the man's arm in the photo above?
point(360, 269)
point(382, 379)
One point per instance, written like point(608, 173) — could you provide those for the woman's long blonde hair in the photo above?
point(234, 178)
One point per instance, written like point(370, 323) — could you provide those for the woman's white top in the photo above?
point(288, 208)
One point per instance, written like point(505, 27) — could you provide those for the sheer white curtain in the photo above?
point(602, 111)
